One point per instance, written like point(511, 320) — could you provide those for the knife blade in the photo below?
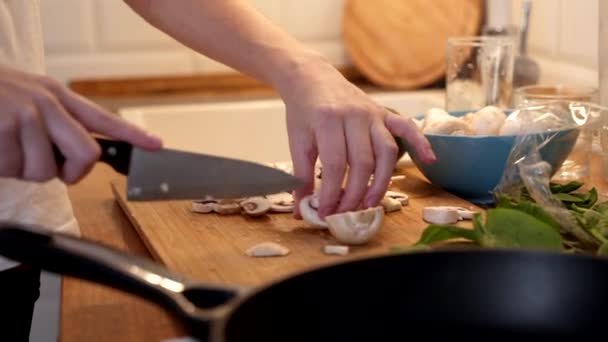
point(170, 174)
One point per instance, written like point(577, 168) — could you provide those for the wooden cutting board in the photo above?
point(211, 248)
point(401, 43)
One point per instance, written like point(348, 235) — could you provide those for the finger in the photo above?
point(332, 153)
point(361, 163)
point(38, 159)
point(98, 120)
point(386, 151)
point(407, 129)
point(303, 155)
point(10, 147)
point(73, 141)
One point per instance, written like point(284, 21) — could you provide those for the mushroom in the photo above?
point(282, 202)
point(335, 249)
point(433, 116)
point(390, 204)
point(204, 206)
point(449, 125)
point(401, 197)
point(267, 249)
point(488, 121)
point(255, 206)
point(227, 206)
point(440, 215)
point(356, 227)
point(308, 209)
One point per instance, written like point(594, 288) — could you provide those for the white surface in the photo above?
point(251, 130)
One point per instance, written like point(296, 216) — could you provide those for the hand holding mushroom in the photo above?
point(331, 119)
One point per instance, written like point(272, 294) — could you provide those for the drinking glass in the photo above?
point(479, 72)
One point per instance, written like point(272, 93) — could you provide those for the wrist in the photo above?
point(300, 69)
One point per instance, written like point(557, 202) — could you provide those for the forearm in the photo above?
point(228, 30)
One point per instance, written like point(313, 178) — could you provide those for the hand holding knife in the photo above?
point(170, 174)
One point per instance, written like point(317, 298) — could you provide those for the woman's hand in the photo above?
point(330, 118)
point(38, 113)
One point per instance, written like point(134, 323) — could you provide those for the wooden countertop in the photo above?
point(91, 312)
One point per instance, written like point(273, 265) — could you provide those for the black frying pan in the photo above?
point(496, 294)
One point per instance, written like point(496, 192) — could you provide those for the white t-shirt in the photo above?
point(44, 204)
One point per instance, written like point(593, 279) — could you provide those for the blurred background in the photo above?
point(89, 39)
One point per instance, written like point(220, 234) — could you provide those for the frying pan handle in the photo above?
point(67, 255)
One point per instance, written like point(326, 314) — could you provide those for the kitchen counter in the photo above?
point(91, 312)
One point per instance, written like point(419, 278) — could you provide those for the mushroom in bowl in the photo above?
point(473, 148)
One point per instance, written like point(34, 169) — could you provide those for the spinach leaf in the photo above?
point(568, 187)
point(512, 228)
point(436, 233)
point(531, 208)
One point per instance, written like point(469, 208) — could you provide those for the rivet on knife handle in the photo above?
point(115, 153)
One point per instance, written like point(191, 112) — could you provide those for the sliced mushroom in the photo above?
point(401, 197)
point(255, 206)
point(267, 249)
point(204, 206)
point(308, 209)
point(335, 249)
point(440, 215)
point(282, 202)
point(356, 227)
point(390, 204)
point(465, 214)
point(227, 206)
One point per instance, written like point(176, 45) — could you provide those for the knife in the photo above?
point(170, 174)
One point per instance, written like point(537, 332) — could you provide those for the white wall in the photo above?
point(564, 39)
point(104, 38)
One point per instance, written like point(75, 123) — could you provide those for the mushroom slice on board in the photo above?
point(281, 202)
point(204, 206)
point(267, 249)
point(336, 249)
point(390, 204)
point(356, 227)
point(401, 197)
point(255, 206)
point(440, 215)
point(227, 206)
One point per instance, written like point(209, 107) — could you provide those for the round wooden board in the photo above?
point(401, 43)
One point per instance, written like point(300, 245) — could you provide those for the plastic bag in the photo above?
point(527, 172)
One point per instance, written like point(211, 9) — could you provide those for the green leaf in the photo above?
point(512, 228)
point(435, 233)
point(603, 250)
point(532, 209)
point(568, 187)
point(564, 197)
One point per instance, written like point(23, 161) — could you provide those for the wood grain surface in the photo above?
point(211, 247)
point(401, 44)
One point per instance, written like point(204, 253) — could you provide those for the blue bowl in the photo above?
point(471, 167)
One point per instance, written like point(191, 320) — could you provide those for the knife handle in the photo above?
point(117, 154)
